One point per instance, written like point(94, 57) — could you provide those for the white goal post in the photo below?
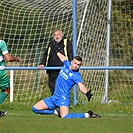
point(103, 35)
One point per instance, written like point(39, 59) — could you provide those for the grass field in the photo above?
point(115, 118)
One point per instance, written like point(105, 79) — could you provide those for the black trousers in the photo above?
point(52, 76)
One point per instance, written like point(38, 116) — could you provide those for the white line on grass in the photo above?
point(100, 114)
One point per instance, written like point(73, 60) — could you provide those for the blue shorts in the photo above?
point(55, 102)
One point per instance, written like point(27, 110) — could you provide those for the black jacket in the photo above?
point(54, 60)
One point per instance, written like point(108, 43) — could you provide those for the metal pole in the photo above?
point(11, 85)
point(105, 97)
point(74, 42)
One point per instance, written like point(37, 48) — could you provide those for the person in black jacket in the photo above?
point(58, 43)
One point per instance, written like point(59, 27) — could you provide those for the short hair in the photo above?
point(59, 31)
point(77, 57)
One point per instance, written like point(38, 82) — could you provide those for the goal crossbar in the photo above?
point(81, 68)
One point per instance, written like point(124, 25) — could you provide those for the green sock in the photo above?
point(3, 96)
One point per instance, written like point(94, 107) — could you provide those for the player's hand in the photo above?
point(89, 95)
point(18, 59)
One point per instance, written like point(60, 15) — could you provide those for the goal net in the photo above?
point(91, 44)
point(92, 37)
point(27, 27)
point(121, 51)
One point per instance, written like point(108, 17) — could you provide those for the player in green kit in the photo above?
point(4, 80)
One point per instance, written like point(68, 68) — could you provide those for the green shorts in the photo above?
point(4, 80)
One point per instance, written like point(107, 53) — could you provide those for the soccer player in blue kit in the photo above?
point(67, 78)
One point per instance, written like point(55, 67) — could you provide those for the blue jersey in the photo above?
point(66, 80)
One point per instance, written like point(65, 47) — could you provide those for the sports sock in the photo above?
point(3, 96)
point(87, 115)
point(45, 111)
point(74, 115)
point(55, 112)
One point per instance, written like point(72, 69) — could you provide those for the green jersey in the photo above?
point(3, 50)
point(4, 80)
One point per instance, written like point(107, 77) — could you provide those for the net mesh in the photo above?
point(27, 27)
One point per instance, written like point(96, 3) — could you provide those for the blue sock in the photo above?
point(74, 115)
point(45, 111)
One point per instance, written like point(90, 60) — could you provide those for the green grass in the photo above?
point(115, 118)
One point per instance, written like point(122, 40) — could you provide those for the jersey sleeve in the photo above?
point(77, 78)
point(67, 63)
point(3, 47)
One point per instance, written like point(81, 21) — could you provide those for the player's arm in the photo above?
point(85, 91)
point(6, 54)
point(61, 56)
point(82, 87)
point(11, 58)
